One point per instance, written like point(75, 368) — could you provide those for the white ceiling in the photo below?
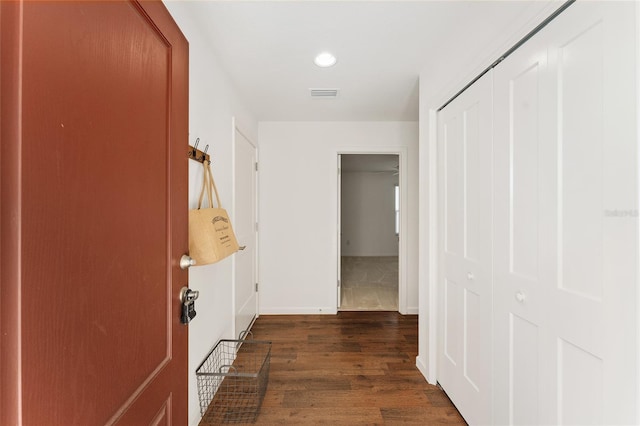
point(268, 47)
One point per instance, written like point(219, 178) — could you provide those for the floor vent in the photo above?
point(324, 93)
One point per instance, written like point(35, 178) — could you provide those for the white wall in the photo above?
point(298, 208)
point(368, 214)
point(212, 104)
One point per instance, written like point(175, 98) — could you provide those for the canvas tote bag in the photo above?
point(211, 236)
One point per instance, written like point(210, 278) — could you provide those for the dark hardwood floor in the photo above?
point(354, 368)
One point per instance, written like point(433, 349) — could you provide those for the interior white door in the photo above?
point(244, 225)
point(566, 225)
point(464, 291)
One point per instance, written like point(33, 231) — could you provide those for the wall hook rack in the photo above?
point(200, 156)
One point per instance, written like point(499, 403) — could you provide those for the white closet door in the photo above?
point(464, 340)
point(566, 226)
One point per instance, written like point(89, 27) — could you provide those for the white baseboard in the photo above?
point(299, 311)
point(412, 310)
point(316, 311)
point(369, 254)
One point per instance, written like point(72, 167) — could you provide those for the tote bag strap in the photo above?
point(212, 184)
point(207, 184)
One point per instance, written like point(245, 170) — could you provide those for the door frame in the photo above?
point(339, 233)
point(403, 177)
point(427, 359)
point(637, 322)
point(235, 127)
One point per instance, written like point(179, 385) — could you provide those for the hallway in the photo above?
point(352, 368)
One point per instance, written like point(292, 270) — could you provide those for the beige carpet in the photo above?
point(369, 283)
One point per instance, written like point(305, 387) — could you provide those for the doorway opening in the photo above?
point(369, 232)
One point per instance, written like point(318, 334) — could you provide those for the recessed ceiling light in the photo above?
point(325, 59)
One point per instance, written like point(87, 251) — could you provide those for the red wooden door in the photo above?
point(94, 128)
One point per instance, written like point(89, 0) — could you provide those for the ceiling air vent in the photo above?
point(324, 93)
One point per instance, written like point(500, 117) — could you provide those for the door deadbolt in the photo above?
point(188, 298)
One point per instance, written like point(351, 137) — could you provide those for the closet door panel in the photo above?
point(465, 254)
point(565, 247)
point(453, 185)
point(591, 55)
point(453, 326)
point(524, 370)
point(580, 148)
point(579, 390)
point(523, 173)
point(474, 180)
point(520, 130)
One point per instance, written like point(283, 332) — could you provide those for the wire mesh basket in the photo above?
point(232, 381)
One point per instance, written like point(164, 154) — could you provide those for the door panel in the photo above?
point(596, 161)
point(578, 370)
point(519, 134)
point(454, 191)
point(453, 322)
point(572, 161)
point(524, 226)
point(523, 370)
point(523, 202)
point(464, 146)
point(102, 213)
point(245, 227)
point(580, 162)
